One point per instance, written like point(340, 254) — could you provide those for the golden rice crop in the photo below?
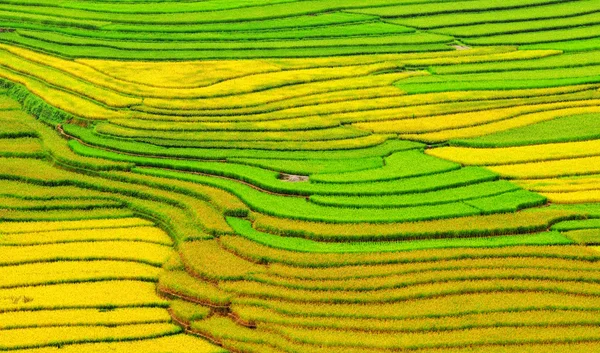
point(179, 343)
point(21, 189)
point(26, 145)
point(81, 71)
point(450, 305)
point(180, 74)
point(369, 271)
point(150, 253)
point(68, 102)
point(45, 336)
point(182, 284)
point(64, 81)
point(538, 317)
point(74, 271)
point(207, 259)
point(438, 123)
point(263, 81)
point(548, 169)
point(187, 311)
point(285, 96)
point(28, 227)
point(18, 203)
point(497, 335)
point(585, 196)
point(585, 236)
point(84, 295)
point(117, 316)
point(430, 276)
point(587, 182)
point(247, 288)
point(432, 104)
point(507, 155)
point(588, 106)
point(142, 233)
point(572, 347)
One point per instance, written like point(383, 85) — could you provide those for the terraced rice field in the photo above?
point(275, 176)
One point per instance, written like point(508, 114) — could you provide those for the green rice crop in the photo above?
point(398, 165)
point(507, 202)
point(313, 166)
point(244, 228)
point(534, 37)
point(556, 10)
point(462, 193)
point(557, 61)
point(576, 225)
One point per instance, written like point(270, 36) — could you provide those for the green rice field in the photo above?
point(290, 176)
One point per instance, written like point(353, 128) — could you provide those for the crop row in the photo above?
point(488, 225)
point(264, 254)
point(244, 228)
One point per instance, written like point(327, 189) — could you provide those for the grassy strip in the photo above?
point(576, 225)
point(508, 202)
point(534, 37)
point(244, 228)
point(196, 51)
point(397, 166)
point(377, 150)
point(505, 28)
point(428, 198)
point(264, 254)
point(330, 31)
point(556, 61)
point(546, 11)
point(230, 136)
point(314, 166)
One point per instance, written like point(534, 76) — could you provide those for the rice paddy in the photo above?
point(295, 176)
